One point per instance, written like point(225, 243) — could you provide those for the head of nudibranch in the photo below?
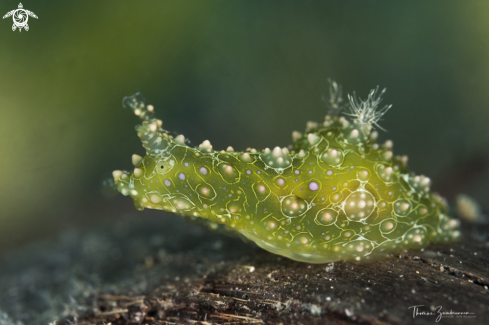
point(334, 194)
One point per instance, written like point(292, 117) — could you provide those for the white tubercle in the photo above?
point(311, 126)
point(116, 174)
point(136, 159)
point(374, 135)
point(138, 172)
point(404, 160)
point(387, 155)
point(180, 139)
point(313, 139)
point(277, 151)
point(153, 127)
point(296, 135)
point(205, 145)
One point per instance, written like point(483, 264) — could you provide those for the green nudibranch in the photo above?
point(334, 194)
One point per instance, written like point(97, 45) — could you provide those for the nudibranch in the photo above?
point(334, 194)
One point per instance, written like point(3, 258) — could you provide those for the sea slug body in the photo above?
point(334, 194)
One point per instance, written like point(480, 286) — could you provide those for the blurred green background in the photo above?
point(239, 73)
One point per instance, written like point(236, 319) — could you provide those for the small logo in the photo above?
point(20, 17)
point(438, 314)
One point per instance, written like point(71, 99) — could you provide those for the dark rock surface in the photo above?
point(154, 268)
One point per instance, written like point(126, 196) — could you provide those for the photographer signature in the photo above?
point(437, 311)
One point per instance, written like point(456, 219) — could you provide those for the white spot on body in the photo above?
point(313, 186)
point(203, 170)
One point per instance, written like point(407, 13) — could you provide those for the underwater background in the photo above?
point(238, 73)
